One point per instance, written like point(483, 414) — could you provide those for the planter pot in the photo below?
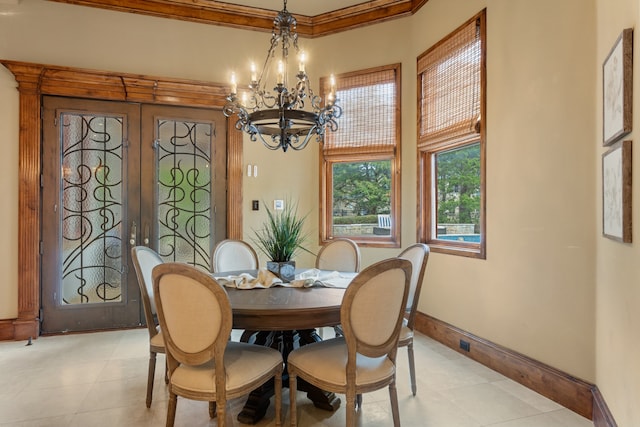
point(285, 270)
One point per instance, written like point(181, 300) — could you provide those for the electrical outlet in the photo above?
point(255, 205)
point(465, 345)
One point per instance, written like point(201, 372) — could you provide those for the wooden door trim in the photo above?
point(36, 80)
point(253, 18)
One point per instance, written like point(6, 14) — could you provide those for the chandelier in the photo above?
point(278, 116)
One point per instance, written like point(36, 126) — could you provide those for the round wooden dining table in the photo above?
point(280, 308)
point(283, 318)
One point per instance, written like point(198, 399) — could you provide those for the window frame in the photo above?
point(426, 154)
point(351, 155)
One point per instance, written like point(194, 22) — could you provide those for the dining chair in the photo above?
point(144, 260)
point(364, 358)
point(339, 254)
point(195, 316)
point(234, 255)
point(418, 254)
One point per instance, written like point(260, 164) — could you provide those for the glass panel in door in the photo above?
point(91, 208)
point(189, 187)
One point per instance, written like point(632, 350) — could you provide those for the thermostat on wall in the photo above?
point(278, 205)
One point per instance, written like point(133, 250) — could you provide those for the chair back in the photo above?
point(418, 254)
point(144, 260)
point(233, 255)
point(372, 309)
point(194, 313)
point(339, 255)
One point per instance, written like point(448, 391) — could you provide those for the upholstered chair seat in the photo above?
point(405, 334)
point(319, 361)
point(244, 364)
point(157, 340)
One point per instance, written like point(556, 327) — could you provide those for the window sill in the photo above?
point(459, 249)
point(368, 243)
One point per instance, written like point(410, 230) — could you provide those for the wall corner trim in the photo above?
point(602, 417)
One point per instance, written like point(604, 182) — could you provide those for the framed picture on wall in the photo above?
point(616, 192)
point(617, 89)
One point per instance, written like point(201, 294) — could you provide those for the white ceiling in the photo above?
point(300, 7)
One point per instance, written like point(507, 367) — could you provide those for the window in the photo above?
point(360, 162)
point(451, 142)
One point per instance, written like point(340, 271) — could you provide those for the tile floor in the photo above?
point(99, 379)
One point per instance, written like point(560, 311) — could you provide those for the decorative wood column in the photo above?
point(36, 80)
point(27, 324)
point(235, 176)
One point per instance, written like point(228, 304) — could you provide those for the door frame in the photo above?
point(35, 80)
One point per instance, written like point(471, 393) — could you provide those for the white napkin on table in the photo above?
point(327, 279)
point(305, 279)
point(265, 279)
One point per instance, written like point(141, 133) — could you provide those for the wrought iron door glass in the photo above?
point(92, 192)
point(184, 156)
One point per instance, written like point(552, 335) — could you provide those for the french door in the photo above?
point(116, 175)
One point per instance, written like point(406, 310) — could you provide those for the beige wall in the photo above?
point(536, 291)
point(9, 189)
point(617, 270)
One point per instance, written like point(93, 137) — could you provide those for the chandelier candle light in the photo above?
point(279, 116)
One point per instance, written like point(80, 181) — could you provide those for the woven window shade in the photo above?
point(368, 122)
point(449, 76)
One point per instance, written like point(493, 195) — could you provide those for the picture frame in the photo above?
point(617, 89)
point(616, 192)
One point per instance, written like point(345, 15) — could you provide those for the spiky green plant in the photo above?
point(282, 234)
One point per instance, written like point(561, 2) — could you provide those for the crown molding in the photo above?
point(251, 18)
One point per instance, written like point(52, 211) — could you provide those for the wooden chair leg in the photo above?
point(277, 383)
point(171, 409)
point(221, 411)
point(212, 409)
point(166, 371)
point(412, 368)
point(293, 383)
point(152, 373)
point(393, 396)
point(351, 409)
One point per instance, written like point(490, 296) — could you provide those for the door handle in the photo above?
point(146, 234)
point(132, 240)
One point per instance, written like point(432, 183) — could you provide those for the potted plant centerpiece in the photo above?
point(280, 238)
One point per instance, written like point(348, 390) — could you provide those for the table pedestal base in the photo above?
point(321, 399)
point(285, 342)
